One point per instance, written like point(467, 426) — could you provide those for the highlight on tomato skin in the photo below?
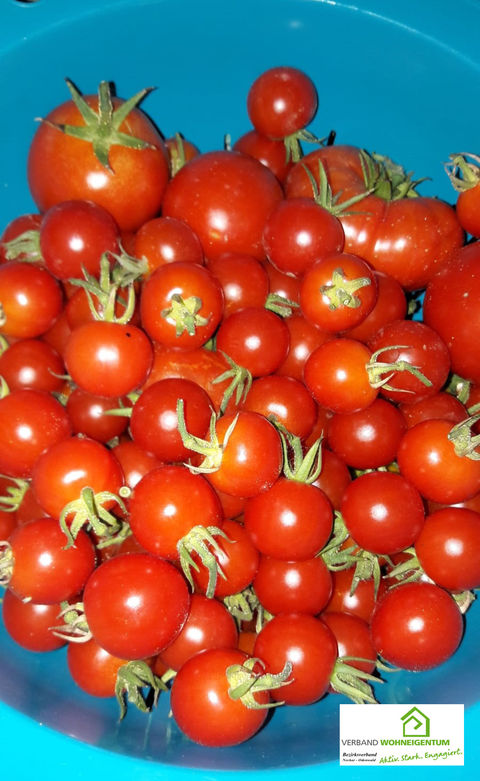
point(239, 458)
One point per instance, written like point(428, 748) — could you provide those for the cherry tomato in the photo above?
point(446, 548)
point(255, 339)
point(427, 458)
point(30, 300)
point(32, 363)
point(416, 626)
point(135, 604)
point(166, 504)
point(338, 291)
point(383, 512)
point(93, 669)
point(181, 305)
point(243, 278)
point(208, 625)
point(289, 521)
point(108, 359)
point(284, 399)
point(154, 423)
point(30, 422)
point(309, 645)
point(30, 624)
point(299, 232)
point(43, 570)
point(237, 558)
point(269, 151)
point(65, 469)
point(167, 240)
point(225, 197)
point(74, 235)
point(202, 707)
point(281, 101)
point(293, 586)
point(88, 414)
point(352, 634)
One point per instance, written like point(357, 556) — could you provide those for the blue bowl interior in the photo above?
point(400, 79)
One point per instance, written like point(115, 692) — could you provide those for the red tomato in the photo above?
point(237, 558)
point(285, 400)
point(32, 363)
point(299, 232)
point(383, 512)
point(352, 634)
point(65, 469)
point(43, 570)
point(391, 304)
point(154, 422)
point(304, 338)
point(31, 421)
point(88, 414)
point(108, 359)
point(293, 586)
point(135, 604)
point(428, 460)
point(202, 706)
point(225, 197)
point(74, 235)
point(417, 345)
point(338, 291)
point(93, 669)
point(255, 339)
point(269, 151)
point(311, 648)
point(31, 300)
point(281, 101)
point(251, 459)
point(30, 624)
point(445, 545)
point(24, 224)
point(166, 504)
point(243, 278)
point(290, 520)
point(129, 183)
point(181, 305)
point(416, 626)
point(441, 405)
point(357, 601)
point(450, 309)
point(167, 240)
point(208, 625)
point(336, 375)
point(369, 438)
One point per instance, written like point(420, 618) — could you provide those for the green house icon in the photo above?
point(415, 724)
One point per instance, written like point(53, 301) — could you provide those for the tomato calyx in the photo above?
point(177, 155)
point(323, 196)
point(183, 314)
point(101, 128)
point(387, 179)
point(74, 628)
point(88, 510)
point(340, 291)
point(6, 562)
point(210, 448)
point(464, 600)
point(200, 540)
point(106, 291)
point(132, 679)
point(338, 557)
point(353, 682)
point(14, 494)
point(376, 369)
point(460, 388)
point(293, 147)
point(280, 305)
point(244, 682)
point(242, 606)
point(408, 571)
point(463, 170)
point(464, 442)
point(241, 382)
point(297, 465)
point(25, 246)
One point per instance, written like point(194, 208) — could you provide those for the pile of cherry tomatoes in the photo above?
point(236, 462)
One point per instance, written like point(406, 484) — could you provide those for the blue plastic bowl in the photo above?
point(397, 78)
